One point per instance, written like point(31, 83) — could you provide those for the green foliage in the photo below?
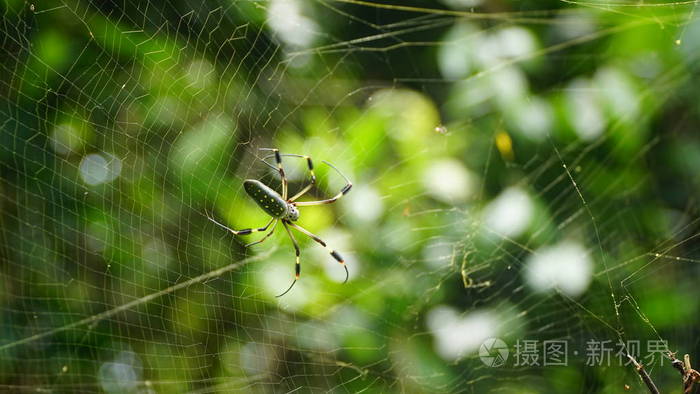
point(477, 141)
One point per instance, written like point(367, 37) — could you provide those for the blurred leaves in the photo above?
point(198, 155)
point(475, 142)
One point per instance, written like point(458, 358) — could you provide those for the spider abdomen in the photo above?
point(269, 200)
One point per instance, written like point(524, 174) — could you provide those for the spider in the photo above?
point(284, 209)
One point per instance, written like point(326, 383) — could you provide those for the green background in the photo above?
point(123, 123)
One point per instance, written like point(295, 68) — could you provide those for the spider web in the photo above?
point(522, 171)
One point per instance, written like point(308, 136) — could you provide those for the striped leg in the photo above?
point(343, 191)
point(333, 253)
point(269, 233)
point(309, 164)
point(278, 160)
point(308, 187)
point(245, 231)
point(297, 267)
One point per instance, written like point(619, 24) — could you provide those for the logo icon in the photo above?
point(493, 352)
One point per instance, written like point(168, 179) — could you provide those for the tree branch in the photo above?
point(644, 375)
point(688, 374)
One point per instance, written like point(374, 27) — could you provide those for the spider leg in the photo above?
point(297, 267)
point(278, 160)
point(343, 191)
point(333, 253)
point(264, 159)
point(269, 233)
point(309, 164)
point(244, 231)
point(308, 187)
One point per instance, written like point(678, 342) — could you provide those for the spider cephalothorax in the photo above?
point(284, 209)
point(293, 214)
